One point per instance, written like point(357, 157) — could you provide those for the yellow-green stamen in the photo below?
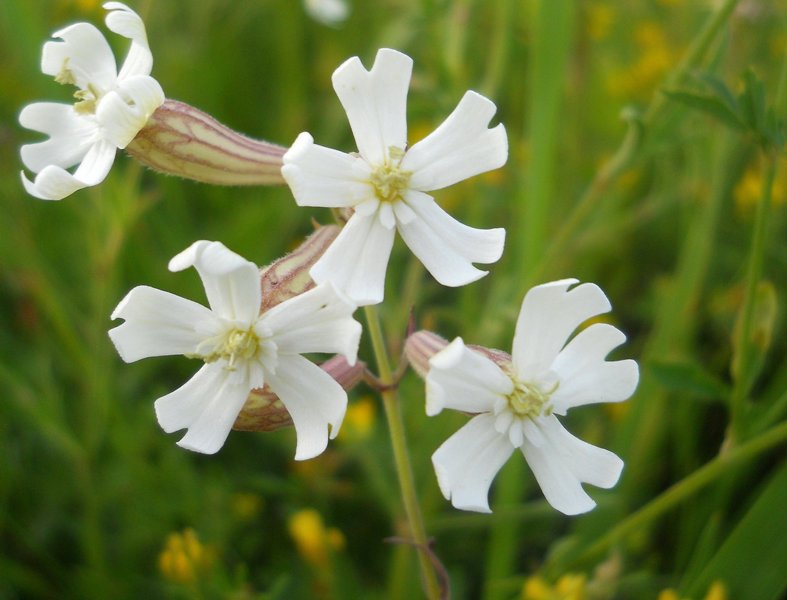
point(237, 344)
point(388, 179)
point(529, 401)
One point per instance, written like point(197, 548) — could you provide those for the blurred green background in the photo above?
point(660, 208)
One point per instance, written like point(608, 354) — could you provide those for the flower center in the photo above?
point(237, 344)
point(529, 401)
point(388, 179)
point(87, 98)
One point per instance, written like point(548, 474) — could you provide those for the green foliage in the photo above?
point(91, 488)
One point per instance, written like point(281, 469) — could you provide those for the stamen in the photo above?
point(236, 345)
point(388, 179)
point(87, 100)
point(66, 75)
point(528, 400)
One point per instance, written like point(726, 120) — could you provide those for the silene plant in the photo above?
point(254, 339)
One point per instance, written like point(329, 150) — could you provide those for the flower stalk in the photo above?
point(181, 140)
point(404, 472)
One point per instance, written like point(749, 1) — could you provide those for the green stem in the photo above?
point(627, 151)
point(743, 363)
point(681, 491)
point(393, 413)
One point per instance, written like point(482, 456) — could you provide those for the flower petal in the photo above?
point(585, 377)
point(319, 320)
point(565, 462)
point(465, 380)
point(320, 176)
point(157, 324)
point(82, 57)
point(446, 247)
point(124, 21)
point(55, 183)
point(549, 314)
point(468, 461)
point(231, 282)
point(376, 102)
point(207, 404)
point(124, 112)
point(70, 135)
point(314, 400)
point(463, 146)
point(355, 263)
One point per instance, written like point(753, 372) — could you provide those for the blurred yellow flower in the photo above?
point(716, 591)
point(314, 541)
point(656, 56)
point(246, 505)
point(536, 588)
point(748, 191)
point(184, 558)
point(571, 586)
point(599, 20)
point(358, 420)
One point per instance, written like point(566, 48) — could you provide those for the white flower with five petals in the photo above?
point(110, 110)
point(241, 348)
point(516, 403)
point(386, 182)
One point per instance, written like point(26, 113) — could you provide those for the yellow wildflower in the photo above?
point(358, 420)
point(313, 540)
point(716, 591)
point(184, 558)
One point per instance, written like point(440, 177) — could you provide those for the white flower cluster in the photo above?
point(383, 188)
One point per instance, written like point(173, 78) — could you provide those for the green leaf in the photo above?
point(689, 378)
point(752, 561)
point(710, 105)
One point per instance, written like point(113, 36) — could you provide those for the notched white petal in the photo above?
point(319, 320)
point(355, 263)
point(376, 101)
point(549, 314)
point(314, 400)
point(232, 283)
point(82, 58)
point(462, 379)
point(207, 405)
point(565, 462)
point(468, 461)
point(157, 324)
point(320, 176)
point(124, 21)
point(55, 183)
point(446, 247)
point(70, 136)
point(586, 377)
point(461, 147)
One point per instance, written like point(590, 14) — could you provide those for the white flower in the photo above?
point(111, 107)
point(516, 406)
point(242, 349)
point(385, 183)
point(327, 12)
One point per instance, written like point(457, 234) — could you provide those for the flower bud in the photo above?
point(420, 347)
point(423, 345)
point(263, 411)
point(289, 276)
point(181, 140)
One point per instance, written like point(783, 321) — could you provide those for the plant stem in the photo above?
point(742, 366)
point(681, 491)
point(404, 472)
